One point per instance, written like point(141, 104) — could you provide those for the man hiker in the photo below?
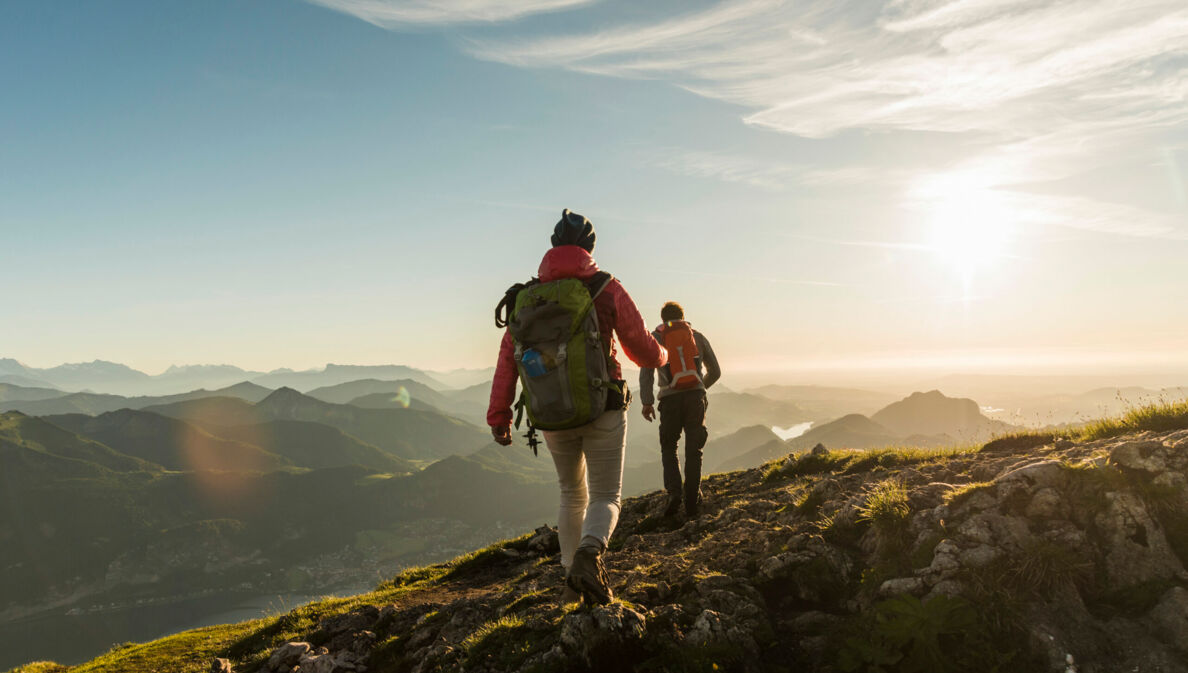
point(558, 345)
point(683, 403)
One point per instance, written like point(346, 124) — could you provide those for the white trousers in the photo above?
point(589, 462)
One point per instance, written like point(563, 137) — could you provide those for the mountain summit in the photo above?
point(932, 413)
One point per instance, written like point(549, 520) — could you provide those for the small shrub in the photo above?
point(485, 557)
point(905, 634)
point(886, 506)
point(410, 576)
point(810, 502)
point(773, 471)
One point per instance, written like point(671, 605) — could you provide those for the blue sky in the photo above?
point(963, 184)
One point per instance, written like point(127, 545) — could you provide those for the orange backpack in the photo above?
point(682, 354)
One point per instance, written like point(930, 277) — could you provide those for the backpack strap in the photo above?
point(507, 305)
point(597, 283)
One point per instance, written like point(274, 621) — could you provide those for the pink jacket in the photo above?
point(616, 312)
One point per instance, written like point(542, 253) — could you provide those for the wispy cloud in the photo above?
point(1054, 86)
point(396, 13)
point(1051, 88)
point(820, 67)
point(766, 174)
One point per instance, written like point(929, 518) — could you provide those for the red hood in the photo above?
point(566, 261)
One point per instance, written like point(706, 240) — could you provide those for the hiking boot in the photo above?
point(588, 577)
point(568, 595)
point(693, 504)
point(673, 506)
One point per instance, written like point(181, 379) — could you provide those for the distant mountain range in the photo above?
point(134, 504)
point(44, 402)
point(115, 378)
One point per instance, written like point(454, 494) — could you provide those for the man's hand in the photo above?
point(649, 412)
point(502, 435)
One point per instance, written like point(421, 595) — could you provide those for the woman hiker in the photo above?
point(588, 458)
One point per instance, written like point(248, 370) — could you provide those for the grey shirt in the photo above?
point(705, 359)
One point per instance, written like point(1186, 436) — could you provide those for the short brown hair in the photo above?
point(672, 311)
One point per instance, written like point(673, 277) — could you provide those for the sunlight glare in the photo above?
point(971, 222)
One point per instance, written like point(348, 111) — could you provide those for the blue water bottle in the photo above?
point(534, 364)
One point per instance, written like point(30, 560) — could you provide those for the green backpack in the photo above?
point(559, 351)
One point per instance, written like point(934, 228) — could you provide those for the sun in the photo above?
point(970, 223)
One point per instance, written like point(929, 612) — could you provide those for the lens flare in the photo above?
point(403, 398)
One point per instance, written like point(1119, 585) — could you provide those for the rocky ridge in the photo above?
point(1032, 553)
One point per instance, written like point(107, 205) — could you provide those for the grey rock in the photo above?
point(359, 619)
point(1170, 617)
point(979, 556)
point(712, 629)
point(944, 558)
point(1044, 473)
point(545, 541)
point(286, 656)
point(1045, 504)
point(1009, 532)
point(1133, 543)
point(1144, 456)
point(321, 663)
point(948, 588)
point(602, 633)
point(902, 585)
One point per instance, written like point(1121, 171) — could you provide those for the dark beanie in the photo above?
point(574, 229)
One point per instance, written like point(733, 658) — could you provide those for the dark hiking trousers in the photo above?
point(683, 412)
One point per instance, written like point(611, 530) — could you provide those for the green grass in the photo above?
point(886, 506)
point(485, 557)
point(1016, 442)
point(850, 461)
point(40, 667)
point(960, 494)
point(506, 643)
point(1159, 417)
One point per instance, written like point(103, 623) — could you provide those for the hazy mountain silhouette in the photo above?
point(459, 379)
point(408, 434)
point(731, 411)
point(315, 445)
point(345, 393)
point(93, 404)
point(853, 431)
point(335, 374)
point(169, 442)
point(119, 379)
point(932, 413)
point(727, 448)
point(756, 456)
point(14, 392)
point(826, 402)
point(207, 411)
point(32, 439)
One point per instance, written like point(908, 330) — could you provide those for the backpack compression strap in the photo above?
point(507, 305)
